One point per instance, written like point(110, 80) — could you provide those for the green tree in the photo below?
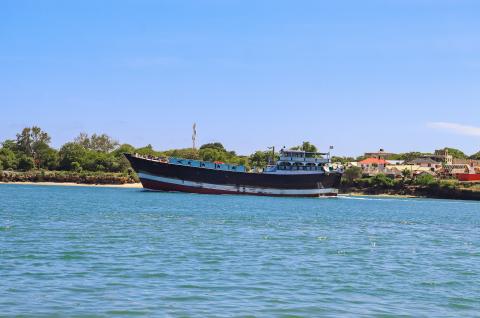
point(101, 143)
point(100, 161)
point(382, 181)
point(212, 154)
point(475, 156)
point(148, 151)
point(119, 155)
point(456, 153)
point(25, 163)
point(408, 156)
point(69, 153)
point(47, 158)
point(8, 159)
point(306, 146)
point(124, 148)
point(259, 159)
point(342, 160)
point(406, 173)
point(214, 145)
point(10, 145)
point(352, 173)
point(425, 179)
point(31, 141)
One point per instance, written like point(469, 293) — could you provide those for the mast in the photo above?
point(273, 155)
point(194, 135)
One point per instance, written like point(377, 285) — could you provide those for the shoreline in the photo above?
point(139, 186)
point(385, 195)
point(73, 184)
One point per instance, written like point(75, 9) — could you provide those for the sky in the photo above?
point(359, 75)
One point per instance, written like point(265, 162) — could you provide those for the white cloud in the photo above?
point(456, 128)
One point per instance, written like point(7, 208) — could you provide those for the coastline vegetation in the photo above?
point(99, 159)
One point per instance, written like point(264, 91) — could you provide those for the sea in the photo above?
point(114, 252)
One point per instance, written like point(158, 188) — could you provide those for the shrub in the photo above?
point(381, 180)
point(425, 180)
point(25, 163)
point(352, 173)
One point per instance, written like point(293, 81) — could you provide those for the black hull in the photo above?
point(156, 175)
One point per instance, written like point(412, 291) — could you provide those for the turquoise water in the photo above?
point(106, 252)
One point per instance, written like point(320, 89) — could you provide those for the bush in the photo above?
point(425, 180)
point(25, 163)
point(352, 174)
point(382, 181)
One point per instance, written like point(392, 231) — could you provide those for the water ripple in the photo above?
point(99, 252)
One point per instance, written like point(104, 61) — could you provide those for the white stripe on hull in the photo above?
point(239, 189)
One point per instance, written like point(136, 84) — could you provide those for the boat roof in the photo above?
point(305, 152)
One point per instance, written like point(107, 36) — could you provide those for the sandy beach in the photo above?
point(72, 184)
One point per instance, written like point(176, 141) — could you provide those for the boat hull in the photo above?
point(162, 176)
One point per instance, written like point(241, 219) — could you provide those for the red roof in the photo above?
point(370, 161)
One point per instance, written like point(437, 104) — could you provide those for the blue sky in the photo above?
point(398, 74)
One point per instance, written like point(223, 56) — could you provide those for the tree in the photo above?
point(83, 139)
point(381, 181)
point(25, 163)
point(100, 161)
point(212, 154)
point(8, 159)
point(306, 146)
point(425, 179)
point(31, 140)
point(259, 159)
point(119, 155)
point(342, 160)
point(352, 173)
point(406, 173)
point(102, 143)
point(475, 156)
point(69, 153)
point(148, 151)
point(455, 153)
point(47, 158)
point(124, 148)
point(10, 145)
point(408, 156)
point(214, 145)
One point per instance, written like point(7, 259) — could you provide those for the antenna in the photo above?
point(194, 135)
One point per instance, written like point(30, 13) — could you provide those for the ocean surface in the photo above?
point(109, 252)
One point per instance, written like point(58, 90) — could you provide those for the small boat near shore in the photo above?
point(296, 174)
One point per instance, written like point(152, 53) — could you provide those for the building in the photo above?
point(442, 156)
point(395, 162)
point(373, 166)
point(381, 154)
point(427, 162)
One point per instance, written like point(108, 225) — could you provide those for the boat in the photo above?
point(296, 174)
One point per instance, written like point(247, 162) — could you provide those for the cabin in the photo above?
point(206, 164)
point(297, 160)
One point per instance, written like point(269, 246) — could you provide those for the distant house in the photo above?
point(381, 154)
point(395, 162)
point(426, 163)
point(471, 162)
point(443, 156)
point(373, 166)
point(454, 169)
